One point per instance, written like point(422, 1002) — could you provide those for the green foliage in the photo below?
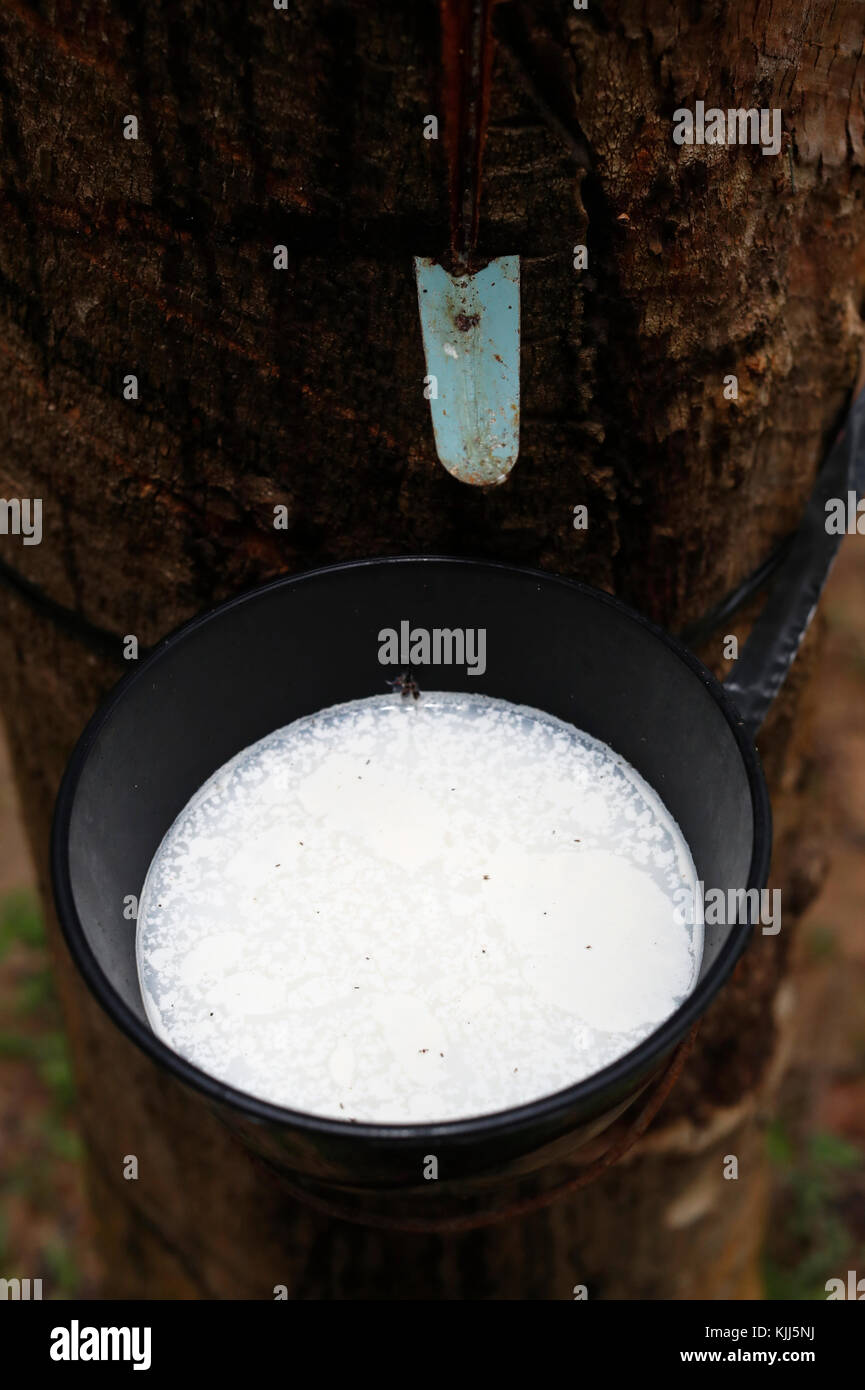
point(20, 920)
point(821, 942)
point(812, 1181)
point(63, 1273)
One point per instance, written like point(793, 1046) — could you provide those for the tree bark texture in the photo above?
point(304, 387)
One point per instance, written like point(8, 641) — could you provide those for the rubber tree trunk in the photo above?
point(302, 387)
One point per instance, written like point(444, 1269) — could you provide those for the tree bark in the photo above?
point(304, 387)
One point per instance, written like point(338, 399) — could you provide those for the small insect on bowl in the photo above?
point(406, 685)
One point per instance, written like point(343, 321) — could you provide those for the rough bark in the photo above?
point(304, 387)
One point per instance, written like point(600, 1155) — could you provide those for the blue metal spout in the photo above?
point(471, 337)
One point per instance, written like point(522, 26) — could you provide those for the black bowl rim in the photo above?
point(548, 1109)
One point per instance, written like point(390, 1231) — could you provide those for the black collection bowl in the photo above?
point(311, 640)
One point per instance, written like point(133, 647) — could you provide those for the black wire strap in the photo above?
point(702, 628)
point(777, 634)
point(72, 623)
